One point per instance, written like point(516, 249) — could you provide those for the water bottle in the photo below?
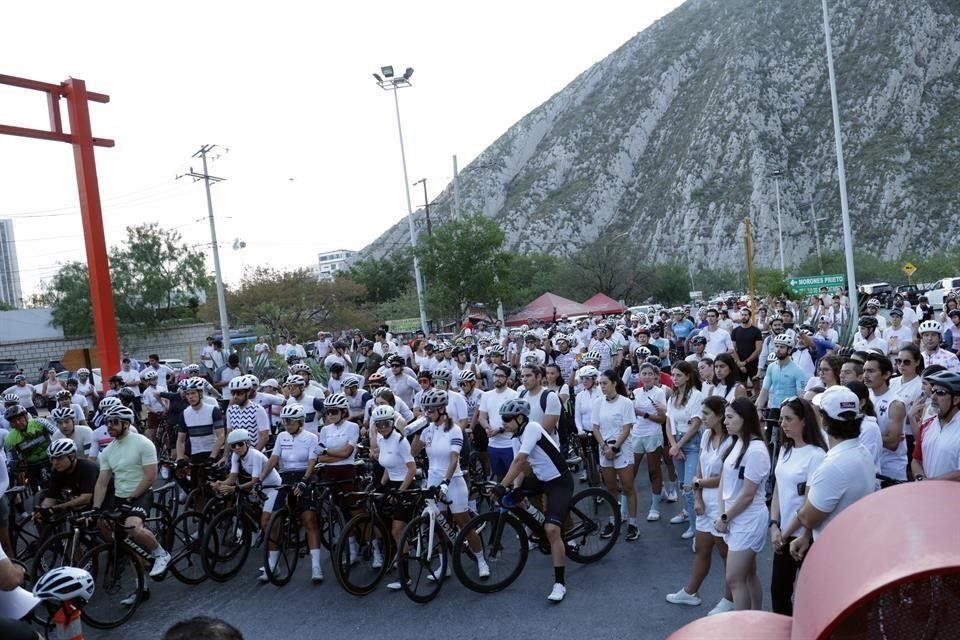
point(415, 427)
point(536, 513)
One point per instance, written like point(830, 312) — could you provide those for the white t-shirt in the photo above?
point(542, 452)
point(252, 463)
point(611, 415)
point(907, 393)
point(876, 342)
point(537, 414)
point(131, 378)
point(394, 455)
point(892, 463)
point(583, 409)
point(83, 438)
point(896, 338)
point(440, 447)
point(333, 359)
point(871, 439)
point(334, 436)
point(754, 467)
point(680, 417)
point(295, 452)
point(845, 475)
point(646, 401)
point(793, 472)
point(718, 341)
point(490, 404)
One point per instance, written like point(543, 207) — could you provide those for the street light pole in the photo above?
point(389, 82)
point(777, 174)
point(816, 235)
point(842, 174)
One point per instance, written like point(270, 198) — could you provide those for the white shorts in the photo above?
point(271, 500)
point(624, 459)
point(748, 531)
point(711, 503)
point(646, 444)
point(457, 493)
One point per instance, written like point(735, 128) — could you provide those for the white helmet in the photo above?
point(83, 371)
point(467, 376)
point(337, 401)
point(873, 302)
point(785, 340)
point(195, 383)
point(931, 326)
point(254, 381)
point(382, 413)
point(293, 412)
point(61, 447)
point(149, 375)
point(62, 413)
point(64, 584)
point(241, 383)
point(238, 435)
point(588, 371)
point(109, 401)
point(295, 380)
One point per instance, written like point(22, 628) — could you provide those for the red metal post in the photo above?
point(101, 292)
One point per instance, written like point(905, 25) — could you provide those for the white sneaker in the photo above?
point(653, 515)
point(682, 597)
point(482, 569)
point(377, 558)
point(556, 595)
point(583, 476)
point(354, 551)
point(680, 518)
point(262, 575)
point(722, 607)
point(160, 565)
point(689, 533)
point(394, 586)
point(672, 493)
point(316, 574)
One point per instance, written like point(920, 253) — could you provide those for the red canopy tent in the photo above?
point(603, 304)
point(545, 307)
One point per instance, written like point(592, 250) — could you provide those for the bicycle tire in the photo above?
point(159, 521)
point(226, 544)
point(590, 509)
point(284, 528)
point(361, 577)
point(183, 543)
point(52, 554)
point(104, 610)
point(504, 543)
point(331, 523)
point(422, 567)
point(25, 542)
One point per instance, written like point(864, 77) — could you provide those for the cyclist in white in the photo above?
point(550, 477)
point(81, 435)
point(245, 414)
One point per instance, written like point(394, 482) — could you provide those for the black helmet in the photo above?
point(14, 410)
point(126, 395)
point(870, 322)
point(949, 380)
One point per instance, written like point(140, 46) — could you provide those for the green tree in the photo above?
point(155, 278)
point(384, 279)
point(294, 302)
point(462, 262)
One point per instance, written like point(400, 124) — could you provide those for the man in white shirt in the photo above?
point(897, 334)
point(931, 334)
point(910, 318)
point(718, 340)
point(206, 356)
point(826, 331)
point(130, 377)
point(845, 475)
point(866, 338)
point(500, 447)
point(937, 455)
point(337, 357)
point(162, 370)
point(324, 345)
point(282, 346)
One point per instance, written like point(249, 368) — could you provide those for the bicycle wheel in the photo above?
point(184, 544)
point(226, 544)
point(355, 556)
point(117, 575)
point(158, 521)
point(59, 551)
point(284, 530)
point(25, 538)
point(422, 566)
point(331, 524)
point(504, 544)
point(590, 510)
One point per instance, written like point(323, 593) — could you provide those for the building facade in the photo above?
point(330, 262)
point(10, 292)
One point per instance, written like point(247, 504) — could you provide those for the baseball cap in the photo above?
point(838, 403)
point(896, 312)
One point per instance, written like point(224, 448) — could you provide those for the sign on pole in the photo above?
point(810, 285)
point(909, 269)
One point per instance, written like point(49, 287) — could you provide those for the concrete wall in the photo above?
point(184, 342)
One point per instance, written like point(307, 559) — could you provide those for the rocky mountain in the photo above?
point(673, 137)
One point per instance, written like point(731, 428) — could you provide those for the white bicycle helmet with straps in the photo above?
point(241, 383)
point(238, 435)
point(382, 413)
point(467, 375)
point(434, 399)
point(196, 383)
point(930, 326)
point(295, 380)
point(119, 412)
point(62, 413)
point(65, 584)
point(149, 375)
point(785, 340)
point(337, 401)
point(61, 447)
point(109, 401)
point(293, 412)
point(588, 371)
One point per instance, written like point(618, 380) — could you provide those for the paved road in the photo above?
point(622, 596)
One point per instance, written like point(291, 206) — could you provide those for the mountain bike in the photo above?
point(506, 544)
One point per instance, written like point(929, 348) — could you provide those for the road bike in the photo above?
point(228, 537)
point(365, 548)
point(506, 544)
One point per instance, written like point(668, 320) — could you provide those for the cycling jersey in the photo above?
point(334, 436)
point(250, 416)
point(126, 458)
point(252, 464)
point(29, 445)
point(543, 454)
point(440, 445)
point(783, 381)
point(473, 404)
point(82, 436)
point(296, 451)
point(102, 438)
point(394, 455)
point(201, 425)
point(313, 406)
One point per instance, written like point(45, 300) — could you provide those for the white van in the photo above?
point(940, 290)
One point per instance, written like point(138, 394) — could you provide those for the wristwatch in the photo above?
point(723, 517)
point(773, 522)
point(696, 484)
point(919, 478)
point(615, 449)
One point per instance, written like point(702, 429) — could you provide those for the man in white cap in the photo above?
point(845, 475)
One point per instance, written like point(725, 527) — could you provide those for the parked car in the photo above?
point(63, 376)
point(940, 290)
point(174, 363)
point(881, 291)
point(910, 293)
point(8, 370)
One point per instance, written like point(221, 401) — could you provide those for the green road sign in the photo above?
point(809, 285)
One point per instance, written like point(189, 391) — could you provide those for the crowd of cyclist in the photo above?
point(758, 427)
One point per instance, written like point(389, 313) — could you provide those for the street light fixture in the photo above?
point(391, 83)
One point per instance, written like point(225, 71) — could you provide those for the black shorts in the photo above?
point(558, 493)
point(403, 510)
point(138, 507)
point(305, 502)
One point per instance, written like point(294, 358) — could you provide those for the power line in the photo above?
point(72, 208)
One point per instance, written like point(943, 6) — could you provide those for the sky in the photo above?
point(314, 159)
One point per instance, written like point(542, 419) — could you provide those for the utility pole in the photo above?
point(753, 299)
point(816, 235)
point(456, 189)
point(221, 296)
point(426, 204)
point(777, 175)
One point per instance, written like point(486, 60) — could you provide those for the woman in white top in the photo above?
point(714, 444)
point(802, 450)
point(726, 383)
point(909, 361)
point(646, 436)
point(612, 420)
point(683, 434)
point(583, 419)
point(705, 371)
point(870, 436)
point(555, 383)
point(50, 388)
point(744, 519)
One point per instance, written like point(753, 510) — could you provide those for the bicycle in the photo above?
point(506, 544)
point(360, 566)
point(423, 557)
point(228, 537)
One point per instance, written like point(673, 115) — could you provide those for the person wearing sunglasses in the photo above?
point(909, 388)
point(891, 415)
point(845, 475)
point(937, 454)
point(399, 469)
point(251, 462)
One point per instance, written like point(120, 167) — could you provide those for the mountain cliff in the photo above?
point(673, 137)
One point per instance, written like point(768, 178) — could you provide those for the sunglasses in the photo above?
point(383, 425)
point(940, 393)
point(899, 361)
point(237, 445)
point(112, 422)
